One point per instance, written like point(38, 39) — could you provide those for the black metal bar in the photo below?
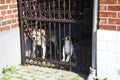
point(53, 61)
point(44, 3)
point(21, 34)
point(59, 24)
point(69, 9)
point(64, 6)
point(50, 41)
point(59, 9)
point(55, 45)
point(56, 20)
point(49, 9)
point(54, 9)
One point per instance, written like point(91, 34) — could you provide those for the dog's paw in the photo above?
point(67, 60)
point(63, 60)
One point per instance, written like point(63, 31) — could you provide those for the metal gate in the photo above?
point(56, 33)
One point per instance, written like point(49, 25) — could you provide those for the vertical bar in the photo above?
point(55, 45)
point(50, 41)
point(30, 6)
point(64, 6)
point(40, 9)
point(41, 51)
point(49, 9)
point(60, 39)
point(54, 9)
point(59, 9)
point(70, 27)
point(21, 33)
point(69, 9)
point(44, 4)
point(64, 32)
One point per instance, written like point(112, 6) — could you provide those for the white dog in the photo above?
point(40, 37)
point(68, 49)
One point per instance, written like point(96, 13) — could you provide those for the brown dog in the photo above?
point(40, 37)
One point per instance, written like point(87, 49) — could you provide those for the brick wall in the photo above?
point(108, 40)
point(8, 14)
point(109, 15)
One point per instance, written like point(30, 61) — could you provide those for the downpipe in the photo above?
point(92, 74)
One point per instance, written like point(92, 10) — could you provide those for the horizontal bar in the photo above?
point(55, 20)
point(53, 62)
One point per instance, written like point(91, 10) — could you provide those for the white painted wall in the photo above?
point(108, 54)
point(10, 53)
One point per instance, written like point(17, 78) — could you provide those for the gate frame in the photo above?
point(94, 34)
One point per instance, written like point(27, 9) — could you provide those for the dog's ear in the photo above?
point(43, 33)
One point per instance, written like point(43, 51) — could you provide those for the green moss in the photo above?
point(6, 78)
point(76, 78)
point(8, 69)
point(62, 78)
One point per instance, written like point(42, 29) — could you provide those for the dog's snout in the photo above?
point(68, 38)
point(34, 38)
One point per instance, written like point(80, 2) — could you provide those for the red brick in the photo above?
point(16, 15)
point(15, 10)
point(14, 21)
point(4, 7)
point(9, 11)
point(103, 21)
point(3, 12)
point(118, 21)
point(5, 28)
point(103, 7)
point(2, 1)
point(118, 1)
point(114, 8)
point(114, 21)
point(111, 14)
point(8, 1)
point(15, 25)
point(13, 1)
point(107, 27)
point(118, 28)
point(6, 22)
point(13, 6)
point(119, 15)
point(1, 18)
point(103, 1)
point(9, 16)
point(108, 14)
point(111, 1)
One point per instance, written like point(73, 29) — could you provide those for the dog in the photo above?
point(28, 41)
point(40, 38)
point(68, 49)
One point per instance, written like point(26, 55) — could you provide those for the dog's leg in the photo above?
point(68, 58)
point(44, 51)
point(33, 52)
point(63, 53)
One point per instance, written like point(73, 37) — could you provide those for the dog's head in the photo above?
point(35, 35)
point(67, 38)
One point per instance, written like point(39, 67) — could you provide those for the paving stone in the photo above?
point(14, 78)
point(1, 75)
point(39, 73)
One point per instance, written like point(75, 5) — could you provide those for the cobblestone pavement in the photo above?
point(38, 73)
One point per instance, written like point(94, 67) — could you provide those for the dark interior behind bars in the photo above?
point(63, 18)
